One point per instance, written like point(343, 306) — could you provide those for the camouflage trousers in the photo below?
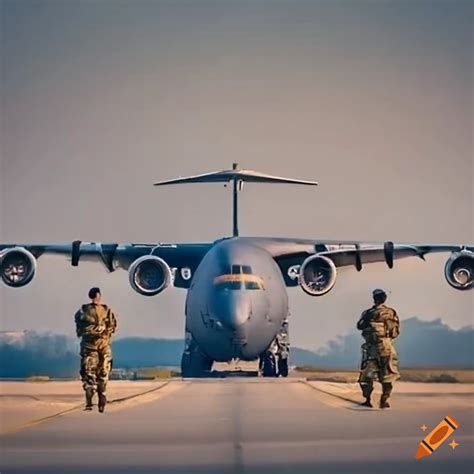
point(379, 362)
point(96, 364)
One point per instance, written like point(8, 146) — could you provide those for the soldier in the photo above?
point(95, 324)
point(379, 326)
point(283, 342)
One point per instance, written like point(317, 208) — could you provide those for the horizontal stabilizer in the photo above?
point(235, 175)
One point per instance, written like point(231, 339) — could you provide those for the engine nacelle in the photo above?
point(149, 275)
point(317, 275)
point(459, 270)
point(17, 267)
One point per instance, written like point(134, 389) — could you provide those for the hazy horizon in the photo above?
point(417, 325)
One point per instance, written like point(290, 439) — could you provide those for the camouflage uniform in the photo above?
point(379, 326)
point(95, 324)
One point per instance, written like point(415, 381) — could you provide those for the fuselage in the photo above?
point(237, 301)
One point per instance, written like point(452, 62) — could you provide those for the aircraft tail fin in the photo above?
point(237, 176)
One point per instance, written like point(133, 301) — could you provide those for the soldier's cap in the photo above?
point(378, 292)
point(93, 292)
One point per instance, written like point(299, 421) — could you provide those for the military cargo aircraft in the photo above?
point(237, 302)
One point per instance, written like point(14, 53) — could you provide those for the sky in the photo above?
point(99, 99)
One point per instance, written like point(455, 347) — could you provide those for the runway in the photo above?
point(243, 426)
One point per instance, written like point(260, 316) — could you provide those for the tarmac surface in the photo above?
point(240, 425)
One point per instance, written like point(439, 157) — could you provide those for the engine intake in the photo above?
point(317, 275)
point(459, 270)
point(149, 275)
point(17, 267)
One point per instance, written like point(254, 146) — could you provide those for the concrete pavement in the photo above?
point(245, 426)
point(23, 404)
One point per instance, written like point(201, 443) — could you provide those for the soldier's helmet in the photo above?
point(378, 292)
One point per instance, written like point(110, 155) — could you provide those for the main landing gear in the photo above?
point(194, 363)
point(274, 361)
point(273, 365)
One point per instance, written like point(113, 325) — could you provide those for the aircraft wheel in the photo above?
point(283, 367)
point(195, 363)
point(269, 365)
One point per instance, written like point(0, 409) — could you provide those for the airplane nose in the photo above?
point(231, 308)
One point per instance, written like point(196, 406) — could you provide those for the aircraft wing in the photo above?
point(182, 259)
point(308, 263)
point(290, 254)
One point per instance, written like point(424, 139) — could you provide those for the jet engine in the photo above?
point(17, 267)
point(149, 275)
point(317, 275)
point(459, 270)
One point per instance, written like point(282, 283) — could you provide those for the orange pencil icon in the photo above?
point(437, 437)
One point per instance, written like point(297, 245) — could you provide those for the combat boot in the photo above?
point(386, 391)
point(102, 402)
point(89, 395)
point(367, 389)
point(384, 402)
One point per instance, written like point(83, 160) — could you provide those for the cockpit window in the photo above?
point(236, 269)
point(246, 269)
point(229, 285)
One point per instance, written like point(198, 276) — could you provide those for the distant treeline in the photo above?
point(421, 344)
point(38, 354)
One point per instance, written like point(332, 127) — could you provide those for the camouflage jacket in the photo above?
point(95, 322)
point(378, 323)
